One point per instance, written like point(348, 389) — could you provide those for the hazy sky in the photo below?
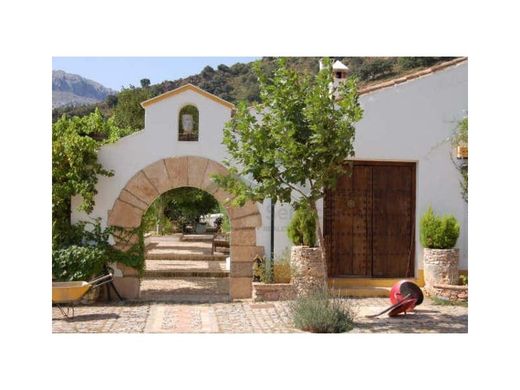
point(115, 72)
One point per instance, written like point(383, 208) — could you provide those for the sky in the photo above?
point(116, 72)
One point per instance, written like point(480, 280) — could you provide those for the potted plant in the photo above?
point(306, 257)
point(441, 259)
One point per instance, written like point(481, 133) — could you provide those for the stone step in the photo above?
point(185, 273)
point(185, 289)
point(185, 268)
point(366, 282)
point(358, 292)
point(197, 237)
point(183, 255)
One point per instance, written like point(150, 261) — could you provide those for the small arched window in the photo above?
point(189, 123)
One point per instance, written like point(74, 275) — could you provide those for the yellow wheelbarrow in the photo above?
point(67, 294)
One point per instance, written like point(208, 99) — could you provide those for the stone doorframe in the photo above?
point(187, 171)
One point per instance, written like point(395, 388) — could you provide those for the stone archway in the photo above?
point(187, 171)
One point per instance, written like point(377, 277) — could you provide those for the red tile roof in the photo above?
point(411, 76)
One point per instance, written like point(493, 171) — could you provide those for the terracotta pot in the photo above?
point(441, 266)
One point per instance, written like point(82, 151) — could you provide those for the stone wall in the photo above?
point(273, 292)
point(308, 270)
point(449, 292)
point(441, 266)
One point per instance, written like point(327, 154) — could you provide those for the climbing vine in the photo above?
point(75, 167)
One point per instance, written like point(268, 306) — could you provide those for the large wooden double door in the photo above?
point(369, 221)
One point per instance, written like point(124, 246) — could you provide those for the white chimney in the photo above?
point(340, 73)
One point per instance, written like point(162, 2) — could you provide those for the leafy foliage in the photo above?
point(302, 228)
point(439, 232)
point(77, 263)
point(303, 139)
point(419, 62)
point(375, 69)
point(128, 112)
point(75, 168)
point(263, 270)
point(276, 271)
point(95, 241)
point(180, 206)
point(320, 313)
point(282, 267)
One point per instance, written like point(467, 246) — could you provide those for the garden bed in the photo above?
point(263, 292)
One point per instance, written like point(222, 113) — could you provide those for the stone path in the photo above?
point(190, 289)
point(247, 317)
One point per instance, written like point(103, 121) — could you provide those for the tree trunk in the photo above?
point(319, 233)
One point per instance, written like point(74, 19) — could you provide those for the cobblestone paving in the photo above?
point(248, 317)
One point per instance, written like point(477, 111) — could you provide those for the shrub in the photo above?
point(439, 232)
point(417, 62)
point(302, 228)
point(262, 270)
point(77, 263)
point(321, 313)
point(282, 268)
point(375, 69)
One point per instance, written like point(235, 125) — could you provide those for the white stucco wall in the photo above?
point(407, 122)
point(158, 140)
point(412, 122)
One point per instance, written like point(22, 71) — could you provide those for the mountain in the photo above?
point(238, 82)
point(73, 90)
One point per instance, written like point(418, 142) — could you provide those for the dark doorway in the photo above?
point(370, 221)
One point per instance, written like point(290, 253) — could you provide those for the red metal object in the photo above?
point(404, 295)
point(404, 306)
point(405, 288)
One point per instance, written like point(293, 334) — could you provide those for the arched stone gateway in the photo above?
point(187, 171)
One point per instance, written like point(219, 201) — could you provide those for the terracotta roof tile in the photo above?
point(412, 76)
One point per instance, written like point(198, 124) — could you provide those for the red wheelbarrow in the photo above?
point(404, 296)
point(67, 294)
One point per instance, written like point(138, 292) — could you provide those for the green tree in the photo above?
point(145, 83)
point(300, 145)
point(75, 167)
point(186, 205)
point(128, 112)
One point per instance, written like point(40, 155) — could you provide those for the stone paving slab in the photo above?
point(248, 317)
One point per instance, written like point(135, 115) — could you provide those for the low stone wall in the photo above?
point(448, 291)
point(263, 292)
point(308, 270)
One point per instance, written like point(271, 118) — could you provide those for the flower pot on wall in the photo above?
point(441, 266)
point(308, 270)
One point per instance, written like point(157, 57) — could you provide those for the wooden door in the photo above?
point(369, 221)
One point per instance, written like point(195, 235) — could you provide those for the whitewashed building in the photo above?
point(403, 165)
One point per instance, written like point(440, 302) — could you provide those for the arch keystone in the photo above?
point(177, 168)
point(196, 170)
